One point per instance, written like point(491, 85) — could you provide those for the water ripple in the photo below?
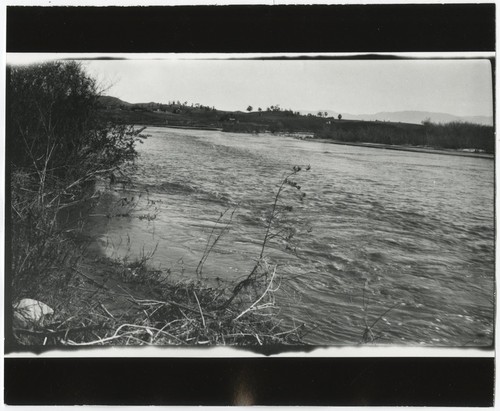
point(378, 229)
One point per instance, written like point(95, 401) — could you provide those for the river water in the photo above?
point(402, 242)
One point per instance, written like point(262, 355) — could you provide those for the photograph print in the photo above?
point(182, 201)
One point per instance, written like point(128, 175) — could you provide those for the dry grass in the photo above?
point(149, 309)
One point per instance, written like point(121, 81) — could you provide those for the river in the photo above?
point(400, 241)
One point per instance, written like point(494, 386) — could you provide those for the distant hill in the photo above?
point(414, 117)
point(391, 128)
point(110, 101)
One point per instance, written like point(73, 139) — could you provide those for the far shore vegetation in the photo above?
point(274, 119)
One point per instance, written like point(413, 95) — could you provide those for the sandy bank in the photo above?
point(428, 150)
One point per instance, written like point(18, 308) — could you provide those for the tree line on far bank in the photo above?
point(455, 135)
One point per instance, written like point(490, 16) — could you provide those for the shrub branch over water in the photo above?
point(58, 147)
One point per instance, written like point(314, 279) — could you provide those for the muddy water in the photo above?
point(402, 242)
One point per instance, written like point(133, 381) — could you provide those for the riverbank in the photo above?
point(98, 301)
point(193, 127)
point(428, 150)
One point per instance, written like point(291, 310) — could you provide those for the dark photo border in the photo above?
point(259, 381)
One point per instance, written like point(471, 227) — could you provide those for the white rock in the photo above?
point(29, 312)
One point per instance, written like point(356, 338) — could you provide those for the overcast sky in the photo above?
point(460, 87)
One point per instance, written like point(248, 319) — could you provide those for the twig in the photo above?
point(260, 298)
point(208, 249)
point(116, 335)
point(273, 212)
point(384, 313)
point(258, 339)
point(368, 334)
point(242, 284)
point(90, 278)
point(290, 331)
point(164, 332)
point(107, 312)
point(59, 332)
point(151, 302)
point(201, 312)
